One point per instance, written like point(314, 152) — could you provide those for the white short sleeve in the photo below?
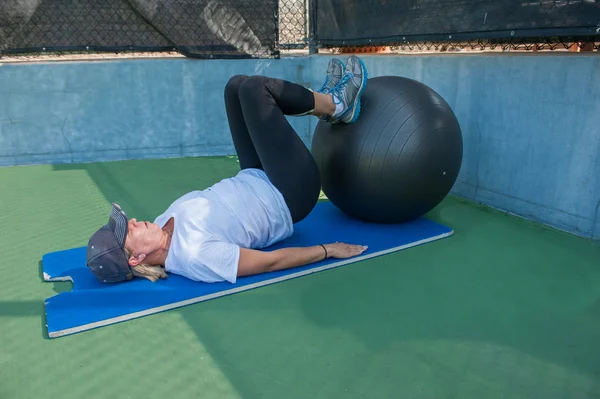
point(220, 257)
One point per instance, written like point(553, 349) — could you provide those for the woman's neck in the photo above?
point(159, 256)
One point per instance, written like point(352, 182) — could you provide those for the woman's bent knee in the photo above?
point(253, 86)
point(233, 85)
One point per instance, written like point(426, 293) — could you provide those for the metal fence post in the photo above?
point(312, 24)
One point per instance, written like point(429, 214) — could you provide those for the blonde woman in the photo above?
point(218, 234)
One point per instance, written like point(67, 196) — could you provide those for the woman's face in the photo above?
point(143, 238)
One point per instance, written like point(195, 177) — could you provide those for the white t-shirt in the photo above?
point(244, 211)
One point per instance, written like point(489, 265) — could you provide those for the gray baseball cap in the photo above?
point(106, 256)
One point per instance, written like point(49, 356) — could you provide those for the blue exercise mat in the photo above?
point(92, 304)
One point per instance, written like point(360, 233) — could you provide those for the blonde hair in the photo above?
point(145, 270)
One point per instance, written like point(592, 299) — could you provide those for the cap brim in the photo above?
point(118, 223)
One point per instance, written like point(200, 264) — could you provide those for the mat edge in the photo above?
point(175, 305)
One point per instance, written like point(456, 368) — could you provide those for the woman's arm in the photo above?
point(255, 262)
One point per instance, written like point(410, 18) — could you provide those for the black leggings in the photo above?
point(263, 138)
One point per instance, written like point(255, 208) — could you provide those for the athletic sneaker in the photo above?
point(335, 71)
point(347, 93)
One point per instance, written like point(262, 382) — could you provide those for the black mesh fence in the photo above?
point(196, 28)
point(463, 24)
point(265, 28)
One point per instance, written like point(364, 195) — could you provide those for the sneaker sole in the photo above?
point(361, 89)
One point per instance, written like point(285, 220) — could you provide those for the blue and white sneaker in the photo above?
point(347, 93)
point(335, 72)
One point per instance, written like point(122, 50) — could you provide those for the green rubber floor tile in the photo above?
point(504, 308)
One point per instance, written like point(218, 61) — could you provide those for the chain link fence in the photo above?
point(531, 44)
point(457, 25)
point(293, 24)
point(267, 28)
point(195, 28)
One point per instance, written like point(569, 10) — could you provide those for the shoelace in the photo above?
point(337, 90)
point(325, 88)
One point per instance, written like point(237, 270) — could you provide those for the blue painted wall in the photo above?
point(101, 111)
point(531, 123)
point(531, 129)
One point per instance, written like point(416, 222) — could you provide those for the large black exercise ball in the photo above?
point(398, 161)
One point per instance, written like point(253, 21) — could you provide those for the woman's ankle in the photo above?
point(324, 105)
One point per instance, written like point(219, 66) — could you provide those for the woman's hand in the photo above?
point(340, 250)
